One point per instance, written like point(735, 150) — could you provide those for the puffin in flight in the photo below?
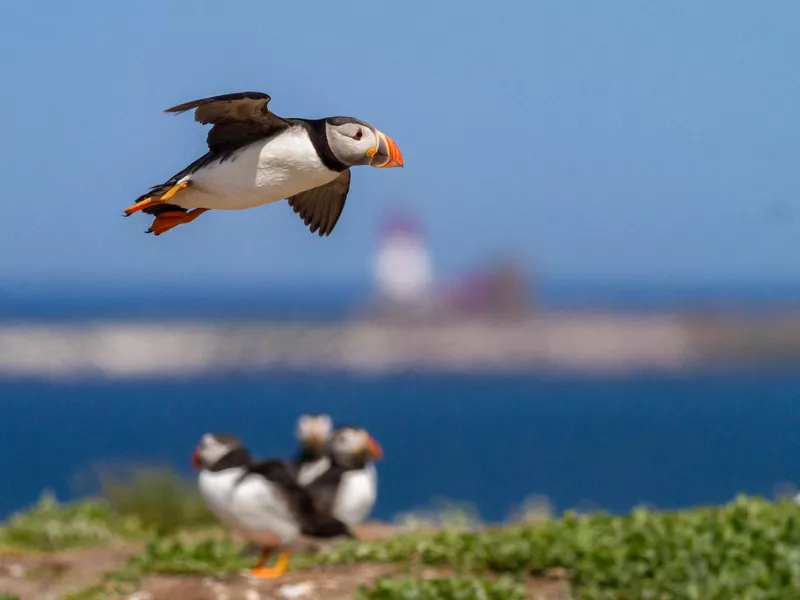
point(256, 157)
point(259, 500)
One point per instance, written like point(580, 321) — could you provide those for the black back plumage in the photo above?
point(313, 519)
point(238, 120)
point(323, 489)
point(321, 207)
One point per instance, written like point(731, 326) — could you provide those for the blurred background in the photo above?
point(584, 284)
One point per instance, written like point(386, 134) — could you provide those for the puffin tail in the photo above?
point(156, 200)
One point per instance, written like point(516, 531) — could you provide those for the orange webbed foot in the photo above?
point(279, 569)
point(170, 219)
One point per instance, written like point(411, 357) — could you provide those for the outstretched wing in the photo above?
point(320, 207)
point(238, 119)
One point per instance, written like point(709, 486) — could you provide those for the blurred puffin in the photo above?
point(258, 500)
point(312, 433)
point(256, 157)
point(347, 490)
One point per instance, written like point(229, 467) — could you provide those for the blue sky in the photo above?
point(595, 140)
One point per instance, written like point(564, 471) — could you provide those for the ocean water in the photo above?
point(491, 441)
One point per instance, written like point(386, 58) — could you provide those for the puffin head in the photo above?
point(357, 144)
point(214, 447)
point(312, 432)
point(353, 446)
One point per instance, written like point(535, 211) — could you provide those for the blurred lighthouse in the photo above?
point(402, 267)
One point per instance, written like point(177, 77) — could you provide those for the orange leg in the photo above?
point(152, 200)
point(262, 572)
point(146, 203)
point(167, 220)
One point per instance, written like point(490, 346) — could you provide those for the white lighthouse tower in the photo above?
point(402, 267)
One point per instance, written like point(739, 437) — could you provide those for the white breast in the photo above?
point(217, 490)
point(253, 506)
point(356, 496)
point(263, 172)
point(311, 470)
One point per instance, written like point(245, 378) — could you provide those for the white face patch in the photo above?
point(348, 443)
point(313, 428)
point(351, 143)
point(212, 450)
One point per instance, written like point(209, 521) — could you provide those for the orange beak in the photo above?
point(373, 449)
point(196, 463)
point(388, 154)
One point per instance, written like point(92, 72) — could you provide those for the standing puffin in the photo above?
point(348, 489)
point(312, 433)
point(256, 157)
point(259, 500)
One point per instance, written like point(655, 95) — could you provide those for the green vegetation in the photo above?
point(51, 526)
point(157, 497)
point(748, 550)
point(456, 588)
point(134, 504)
point(211, 557)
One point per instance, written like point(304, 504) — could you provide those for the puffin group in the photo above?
point(256, 157)
point(323, 492)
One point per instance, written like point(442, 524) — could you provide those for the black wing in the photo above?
point(324, 488)
point(277, 471)
point(313, 521)
point(238, 119)
point(320, 207)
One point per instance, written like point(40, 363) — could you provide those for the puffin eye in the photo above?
point(358, 135)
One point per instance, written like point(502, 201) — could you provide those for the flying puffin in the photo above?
point(256, 157)
point(348, 489)
point(259, 500)
point(312, 433)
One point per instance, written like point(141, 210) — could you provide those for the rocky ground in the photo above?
point(331, 583)
point(31, 576)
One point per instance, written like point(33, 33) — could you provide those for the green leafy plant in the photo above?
point(749, 549)
point(211, 557)
point(158, 497)
point(51, 526)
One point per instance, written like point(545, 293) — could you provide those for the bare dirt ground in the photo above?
point(51, 576)
point(44, 576)
point(330, 583)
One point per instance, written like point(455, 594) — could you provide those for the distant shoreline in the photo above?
point(580, 342)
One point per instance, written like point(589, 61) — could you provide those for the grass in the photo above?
point(51, 526)
point(748, 549)
point(212, 558)
point(134, 503)
point(157, 497)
